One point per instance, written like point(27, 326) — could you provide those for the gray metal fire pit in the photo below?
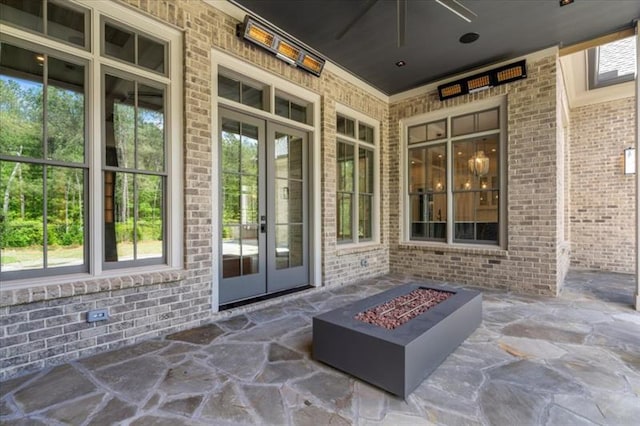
point(396, 360)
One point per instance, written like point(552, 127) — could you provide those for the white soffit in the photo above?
point(574, 72)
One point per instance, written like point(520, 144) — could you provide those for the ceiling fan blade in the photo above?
point(458, 8)
point(359, 16)
point(402, 21)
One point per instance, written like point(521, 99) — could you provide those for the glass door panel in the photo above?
point(243, 272)
point(287, 239)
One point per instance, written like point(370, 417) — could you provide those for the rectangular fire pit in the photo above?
point(395, 339)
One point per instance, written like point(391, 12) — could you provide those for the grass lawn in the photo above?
point(19, 258)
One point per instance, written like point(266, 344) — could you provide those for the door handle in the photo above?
point(263, 224)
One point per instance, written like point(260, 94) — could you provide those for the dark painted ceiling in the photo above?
point(507, 28)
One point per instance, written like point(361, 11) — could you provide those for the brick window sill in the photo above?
point(37, 290)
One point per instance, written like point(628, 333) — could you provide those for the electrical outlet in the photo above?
point(98, 315)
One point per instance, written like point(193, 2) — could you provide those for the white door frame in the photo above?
point(271, 84)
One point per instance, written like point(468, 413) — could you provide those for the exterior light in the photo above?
point(283, 48)
point(630, 161)
point(479, 164)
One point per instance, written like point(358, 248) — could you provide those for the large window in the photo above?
point(454, 170)
point(355, 196)
point(83, 195)
point(43, 171)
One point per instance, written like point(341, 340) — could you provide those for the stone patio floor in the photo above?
point(572, 360)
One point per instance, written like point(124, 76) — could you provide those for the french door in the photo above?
point(263, 207)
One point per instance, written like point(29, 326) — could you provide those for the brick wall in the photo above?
point(530, 261)
point(45, 325)
point(602, 196)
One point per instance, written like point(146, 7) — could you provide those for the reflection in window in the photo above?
point(41, 230)
point(240, 221)
point(345, 196)
point(134, 177)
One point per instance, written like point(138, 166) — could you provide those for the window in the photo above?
point(612, 63)
point(61, 20)
point(240, 91)
point(134, 173)
point(356, 193)
point(133, 47)
point(294, 110)
point(78, 195)
point(43, 171)
point(454, 178)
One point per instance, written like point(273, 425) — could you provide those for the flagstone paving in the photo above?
point(573, 360)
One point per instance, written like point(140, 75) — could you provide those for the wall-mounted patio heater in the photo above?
point(284, 49)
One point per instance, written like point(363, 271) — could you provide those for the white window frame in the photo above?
point(359, 117)
point(222, 62)
point(405, 220)
point(173, 80)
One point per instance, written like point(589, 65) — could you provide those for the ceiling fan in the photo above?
point(401, 16)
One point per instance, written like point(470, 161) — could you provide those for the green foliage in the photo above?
point(148, 230)
point(22, 233)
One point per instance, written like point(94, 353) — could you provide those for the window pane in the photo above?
point(230, 145)
point(429, 216)
point(282, 107)
point(231, 198)
point(150, 143)
point(476, 164)
point(250, 260)
point(289, 246)
point(289, 156)
point(119, 43)
point(345, 126)
point(345, 167)
point(26, 14)
point(65, 23)
point(365, 171)
point(617, 59)
point(249, 150)
point(151, 54)
point(149, 224)
point(345, 214)
point(464, 161)
point(488, 120)
point(228, 88)
point(463, 125)
point(251, 96)
point(249, 199)
point(120, 238)
point(417, 134)
point(365, 206)
point(21, 227)
point(120, 122)
point(65, 111)
point(464, 215)
point(21, 89)
point(65, 216)
point(437, 130)
point(365, 133)
point(231, 253)
point(298, 112)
